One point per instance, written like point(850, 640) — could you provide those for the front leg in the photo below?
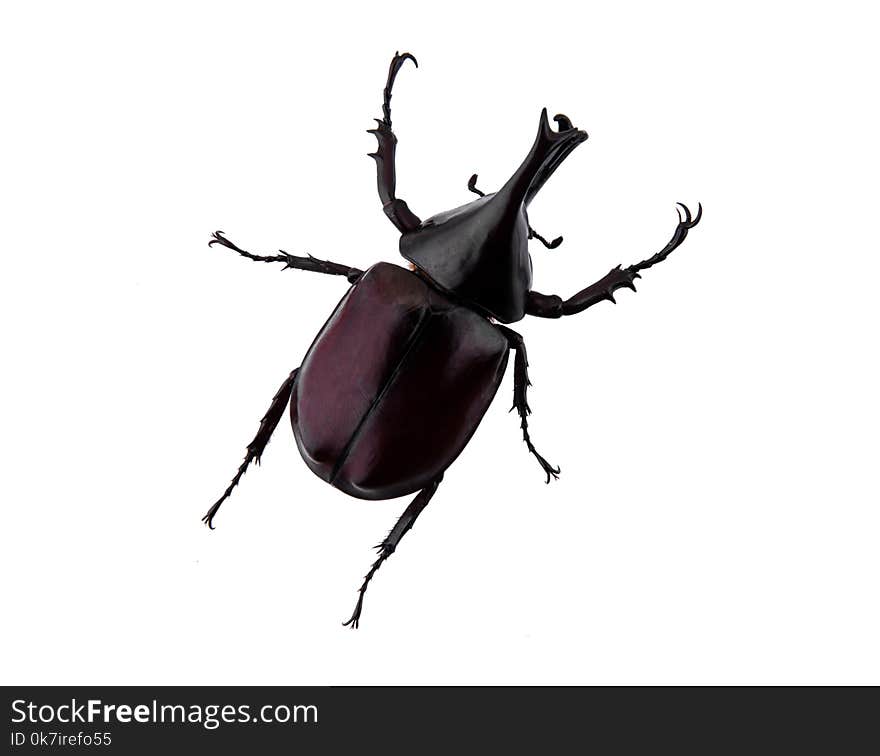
point(396, 209)
point(553, 306)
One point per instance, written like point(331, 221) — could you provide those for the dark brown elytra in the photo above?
point(400, 376)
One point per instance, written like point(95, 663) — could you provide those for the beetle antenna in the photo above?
point(472, 186)
point(550, 245)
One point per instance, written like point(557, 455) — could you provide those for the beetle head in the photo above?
point(479, 252)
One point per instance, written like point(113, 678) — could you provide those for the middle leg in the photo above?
point(520, 403)
point(292, 261)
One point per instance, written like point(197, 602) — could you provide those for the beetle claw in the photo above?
point(400, 59)
point(687, 212)
point(688, 221)
point(355, 618)
point(218, 238)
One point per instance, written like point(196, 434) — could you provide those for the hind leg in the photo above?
point(256, 447)
point(388, 546)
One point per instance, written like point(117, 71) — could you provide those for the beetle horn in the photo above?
point(479, 252)
point(548, 151)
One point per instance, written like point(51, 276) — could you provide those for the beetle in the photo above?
point(399, 377)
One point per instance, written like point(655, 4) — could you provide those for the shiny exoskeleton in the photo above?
point(400, 376)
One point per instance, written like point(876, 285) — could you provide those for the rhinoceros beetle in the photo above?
point(400, 376)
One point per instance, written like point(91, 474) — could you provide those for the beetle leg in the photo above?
point(292, 261)
point(388, 546)
point(520, 403)
point(553, 306)
point(386, 179)
point(256, 447)
point(472, 186)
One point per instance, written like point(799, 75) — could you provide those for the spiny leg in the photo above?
point(388, 546)
point(472, 185)
point(553, 306)
point(292, 261)
point(520, 403)
point(256, 447)
point(397, 210)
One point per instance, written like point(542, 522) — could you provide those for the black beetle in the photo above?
point(398, 379)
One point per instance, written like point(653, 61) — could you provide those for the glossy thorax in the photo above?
point(478, 253)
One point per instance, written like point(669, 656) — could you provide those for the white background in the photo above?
point(717, 517)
